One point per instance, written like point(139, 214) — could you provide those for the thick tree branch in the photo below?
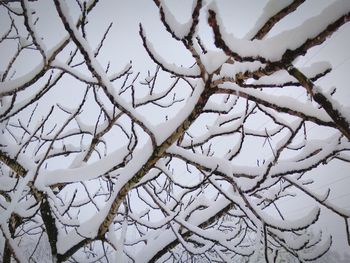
point(340, 121)
point(157, 154)
point(12, 164)
point(44, 67)
point(265, 29)
point(96, 71)
point(277, 107)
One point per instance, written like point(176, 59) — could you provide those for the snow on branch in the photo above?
point(294, 41)
point(170, 163)
point(171, 68)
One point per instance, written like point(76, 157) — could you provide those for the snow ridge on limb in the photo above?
point(187, 40)
point(156, 155)
point(289, 53)
point(181, 32)
point(327, 103)
point(13, 86)
point(209, 186)
point(285, 46)
point(160, 150)
point(96, 69)
point(171, 68)
point(267, 20)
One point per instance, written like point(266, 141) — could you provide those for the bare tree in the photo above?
point(161, 165)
